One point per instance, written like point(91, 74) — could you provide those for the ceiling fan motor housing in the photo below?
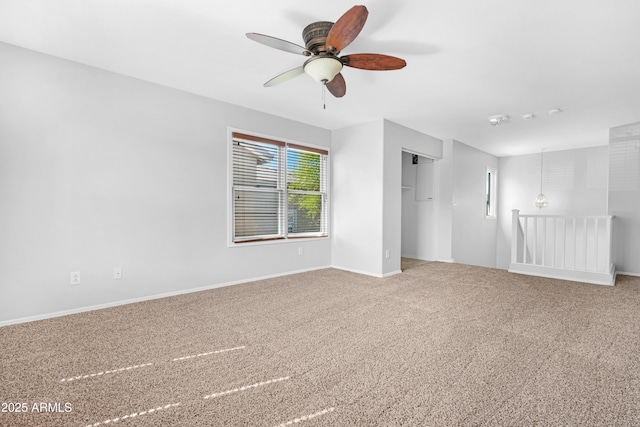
point(315, 36)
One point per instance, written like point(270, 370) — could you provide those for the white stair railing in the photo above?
point(565, 247)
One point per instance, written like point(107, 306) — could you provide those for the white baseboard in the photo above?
point(351, 270)
point(147, 298)
point(607, 279)
point(393, 273)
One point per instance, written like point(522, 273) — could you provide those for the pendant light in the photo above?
point(541, 200)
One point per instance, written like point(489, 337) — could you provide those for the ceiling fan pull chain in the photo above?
point(324, 103)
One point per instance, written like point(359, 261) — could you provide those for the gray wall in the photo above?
point(624, 196)
point(473, 235)
point(99, 170)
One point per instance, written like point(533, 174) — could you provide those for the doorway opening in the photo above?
point(419, 209)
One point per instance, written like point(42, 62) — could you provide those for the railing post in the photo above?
point(544, 240)
point(535, 241)
point(575, 243)
point(514, 235)
point(596, 244)
point(585, 244)
point(610, 233)
point(555, 241)
point(525, 242)
point(564, 242)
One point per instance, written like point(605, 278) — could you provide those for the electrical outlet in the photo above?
point(300, 251)
point(75, 278)
point(387, 254)
point(117, 273)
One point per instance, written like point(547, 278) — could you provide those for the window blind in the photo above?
point(279, 190)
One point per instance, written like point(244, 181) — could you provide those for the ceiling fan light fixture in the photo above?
point(323, 68)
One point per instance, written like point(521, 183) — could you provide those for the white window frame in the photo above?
point(491, 191)
point(283, 236)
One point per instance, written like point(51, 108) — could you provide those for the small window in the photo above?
point(279, 190)
point(490, 199)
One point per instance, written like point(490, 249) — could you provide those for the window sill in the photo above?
point(276, 241)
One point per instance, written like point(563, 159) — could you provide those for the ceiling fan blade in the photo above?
point(373, 61)
point(279, 44)
point(287, 75)
point(337, 86)
point(346, 29)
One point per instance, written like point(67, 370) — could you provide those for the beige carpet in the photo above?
point(438, 345)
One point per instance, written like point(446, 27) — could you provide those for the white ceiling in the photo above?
point(466, 60)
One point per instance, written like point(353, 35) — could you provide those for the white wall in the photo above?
point(444, 203)
point(367, 204)
point(624, 196)
point(356, 191)
point(574, 181)
point(473, 235)
point(99, 170)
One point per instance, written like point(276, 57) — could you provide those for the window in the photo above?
point(279, 190)
point(490, 200)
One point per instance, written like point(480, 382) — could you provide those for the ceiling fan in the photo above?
point(323, 43)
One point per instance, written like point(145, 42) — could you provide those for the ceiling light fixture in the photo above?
point(498, 119)
point(555, 111)
point(529, 116)
point(541, 200)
